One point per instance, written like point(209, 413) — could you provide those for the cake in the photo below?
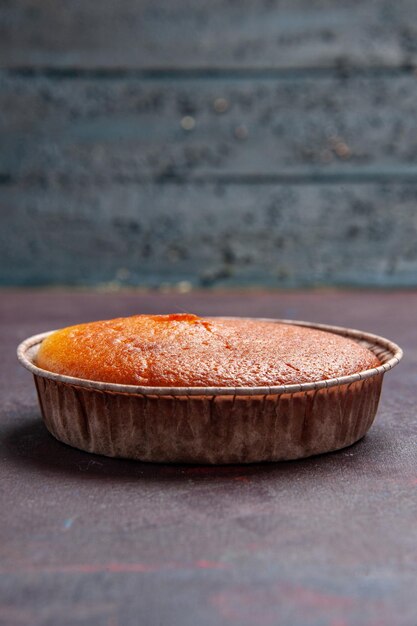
point(184, 350)
point(184, 389)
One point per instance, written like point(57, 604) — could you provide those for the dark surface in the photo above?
point(268, 142)
point(329, 541)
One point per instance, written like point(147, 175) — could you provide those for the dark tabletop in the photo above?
point(327, 541)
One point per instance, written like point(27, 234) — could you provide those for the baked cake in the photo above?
point(183, 350)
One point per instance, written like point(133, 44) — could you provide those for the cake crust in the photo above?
point(183, 350)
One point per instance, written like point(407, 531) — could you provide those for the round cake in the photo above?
point(183, 350)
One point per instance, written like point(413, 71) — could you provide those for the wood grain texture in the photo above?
point(98, 130)
point(91, 540)
point(221, 33)
point(210, 234)
point(268, 116)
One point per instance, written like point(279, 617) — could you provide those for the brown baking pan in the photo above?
point(213, 425)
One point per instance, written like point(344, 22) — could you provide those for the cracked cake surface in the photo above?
point(184, 350)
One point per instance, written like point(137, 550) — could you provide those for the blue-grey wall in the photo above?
point(151, 142)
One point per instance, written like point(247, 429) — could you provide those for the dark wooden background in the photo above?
point(217, 143)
